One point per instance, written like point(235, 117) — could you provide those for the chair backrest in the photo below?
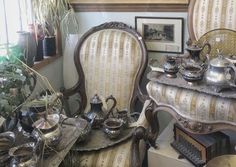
point(110, 59)
point(207, 15)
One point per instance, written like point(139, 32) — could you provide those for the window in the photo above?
point(15, 15)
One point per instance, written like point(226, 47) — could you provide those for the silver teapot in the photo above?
point(194, 52)
point(48, 130)
point(96, 116)
point(221, 73)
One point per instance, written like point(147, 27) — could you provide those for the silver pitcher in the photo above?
point(221, 73)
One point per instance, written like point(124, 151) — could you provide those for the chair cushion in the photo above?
point(213, 14)
point(110, 60)
point(194, 105)
point(117, 156)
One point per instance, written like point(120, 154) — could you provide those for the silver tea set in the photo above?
point(218, 72)
point(99, 118)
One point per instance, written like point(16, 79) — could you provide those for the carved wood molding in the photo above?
point(129, 7)
point(193, 126)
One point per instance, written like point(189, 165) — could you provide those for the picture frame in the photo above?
point(161, 34)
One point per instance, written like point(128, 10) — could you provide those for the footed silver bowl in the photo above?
point(112, 127)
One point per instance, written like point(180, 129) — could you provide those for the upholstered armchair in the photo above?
point(207, 15)
point(110, 60)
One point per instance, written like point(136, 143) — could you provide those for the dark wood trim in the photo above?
point(149, 135)
point(193, 126)
point(129, 7)
point(190, 20)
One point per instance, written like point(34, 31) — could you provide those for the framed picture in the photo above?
point(161, 34)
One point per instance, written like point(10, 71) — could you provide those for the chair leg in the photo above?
point(140, 133)
point(151, 116)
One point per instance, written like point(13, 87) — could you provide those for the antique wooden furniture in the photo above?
point(198, 108)
point(214, 22)
point(207, 15)
point(199, 149)
point(110, 60)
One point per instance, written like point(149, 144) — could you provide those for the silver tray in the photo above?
point(99, 140)
point(181, 83)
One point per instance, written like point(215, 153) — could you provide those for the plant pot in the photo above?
point(28, 45)
point(39, 55)
point(49, 46)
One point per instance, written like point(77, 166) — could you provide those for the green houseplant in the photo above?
point(16, 83)
point(55, 17)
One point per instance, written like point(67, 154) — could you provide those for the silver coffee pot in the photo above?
point(221, 73)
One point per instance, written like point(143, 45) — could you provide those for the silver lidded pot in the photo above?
point(96, 116)
point(192, 73)
point(195, 51)
point(24, 155)
point(171, 67)
point(48, 129)
point(221, 73)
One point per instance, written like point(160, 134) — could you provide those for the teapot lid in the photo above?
point(194, 47)
point(95, 99)
point(219, 61)
point(47, 123)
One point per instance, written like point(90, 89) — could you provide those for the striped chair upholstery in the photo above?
point(207, 15)
point(110, 60)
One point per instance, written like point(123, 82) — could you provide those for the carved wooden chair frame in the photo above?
point(80, 85)
point(140, 132)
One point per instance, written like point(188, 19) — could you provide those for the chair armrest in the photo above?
point(66, 94)
point(142, 121)
point(149, 135)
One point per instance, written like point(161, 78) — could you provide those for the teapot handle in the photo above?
point(208, 46)
point(208, 51)
point(227, 69)
point(113, 106)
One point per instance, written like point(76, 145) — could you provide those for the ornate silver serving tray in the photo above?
point(98, 140)
point(180, 82)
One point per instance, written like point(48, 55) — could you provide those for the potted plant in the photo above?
point(51, 14)
point(15, 85)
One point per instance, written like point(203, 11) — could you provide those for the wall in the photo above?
point(53, 72)
point(90, 19)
